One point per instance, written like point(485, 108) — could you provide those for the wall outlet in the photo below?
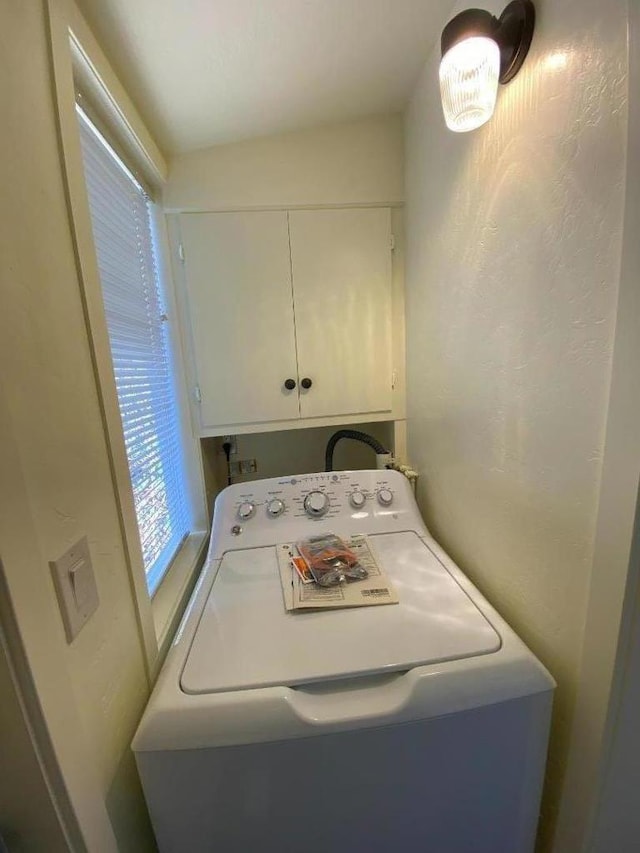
point(248, 466)
point(243, 466)
point(233, 441)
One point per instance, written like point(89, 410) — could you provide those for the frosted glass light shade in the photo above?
point(469, 73)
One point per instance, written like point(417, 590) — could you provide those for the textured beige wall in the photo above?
point(49, 392)
point(514, 235)
point(358, 162)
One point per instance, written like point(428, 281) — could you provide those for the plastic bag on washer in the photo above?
point(330, 560)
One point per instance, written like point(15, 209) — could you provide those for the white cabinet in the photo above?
point(341, 262)
point(238, 277)
point(274, 298)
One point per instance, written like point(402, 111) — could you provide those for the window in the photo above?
point(121, 216)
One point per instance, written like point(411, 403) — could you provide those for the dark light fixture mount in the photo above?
point(470, 58)
point(512, 32)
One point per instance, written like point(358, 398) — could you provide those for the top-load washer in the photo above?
point(421, 725)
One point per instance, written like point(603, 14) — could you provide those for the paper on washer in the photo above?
point(373, 590)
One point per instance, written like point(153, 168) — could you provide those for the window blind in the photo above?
point(140, 350)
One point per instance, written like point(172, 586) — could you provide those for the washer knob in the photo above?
point(275, 508)
point(316, 504)
point(385, 497)
point(246, 510)
point(357, 499)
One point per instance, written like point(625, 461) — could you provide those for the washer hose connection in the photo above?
point(356, 435)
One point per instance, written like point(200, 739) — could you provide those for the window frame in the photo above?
point(78, 62)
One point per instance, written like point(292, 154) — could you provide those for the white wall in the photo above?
point(56, 483)
point(358, 162)
point(513, 236)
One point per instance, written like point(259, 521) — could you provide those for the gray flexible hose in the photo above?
point(355, 434)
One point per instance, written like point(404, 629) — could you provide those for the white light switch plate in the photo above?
point(75, 586)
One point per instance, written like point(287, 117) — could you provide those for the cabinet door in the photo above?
point(341, 262)
point(238, 278)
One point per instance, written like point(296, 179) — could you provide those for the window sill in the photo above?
point(171, 596)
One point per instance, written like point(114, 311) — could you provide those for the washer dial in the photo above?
point(275, 507)
point(385, 497)
point(246, 510)
point(316, 504)
point(357, 499)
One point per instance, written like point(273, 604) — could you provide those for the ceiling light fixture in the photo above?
point(478, 52)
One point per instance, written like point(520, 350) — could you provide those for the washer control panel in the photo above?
point(288, 508)
point(345, 494)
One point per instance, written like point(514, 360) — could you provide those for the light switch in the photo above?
point(75, 586)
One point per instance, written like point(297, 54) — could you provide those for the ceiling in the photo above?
point(204, 72)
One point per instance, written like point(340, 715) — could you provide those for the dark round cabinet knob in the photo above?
point(289, 384)
point(306, 383)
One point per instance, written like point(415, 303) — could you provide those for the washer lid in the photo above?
point(246, 639)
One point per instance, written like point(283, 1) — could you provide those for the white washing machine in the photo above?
point(420, 726)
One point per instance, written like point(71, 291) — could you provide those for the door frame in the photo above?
point(615, 573)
